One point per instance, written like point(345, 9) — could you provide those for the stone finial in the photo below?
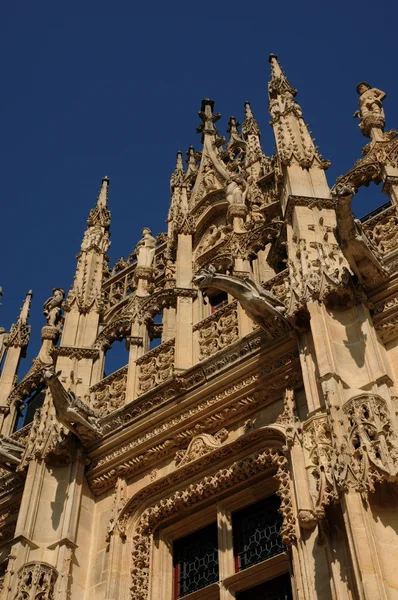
point(103, 195)
point(250, 125)
point(178, 175)
point(24, 314)
point(208, 118)
point(100, 215)
point(19, 334)
point(279, 84)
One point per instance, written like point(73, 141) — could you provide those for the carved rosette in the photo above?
point(36, 580)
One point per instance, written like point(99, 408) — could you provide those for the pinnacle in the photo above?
point(103, 195)
point(24, 314)
point(276, 69)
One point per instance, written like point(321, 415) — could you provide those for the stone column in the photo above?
point(184, 314)
point(137, 344)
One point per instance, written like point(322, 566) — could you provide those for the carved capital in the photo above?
point(146, 273)
point(50, 332)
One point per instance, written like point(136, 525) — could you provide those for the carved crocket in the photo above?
point(256, 302)
point(71, 411)
point(362, 257)
point(10, 453)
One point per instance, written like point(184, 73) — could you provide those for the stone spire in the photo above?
point(24, 314)
point(15, 342)
point(251, 134)
point(100, 215)
point(178, 175)
point(86, 294)
point(20, 331)
point(293, 140)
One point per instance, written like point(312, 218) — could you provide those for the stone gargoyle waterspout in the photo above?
point(10, 453)
point(256, 302)
point(71, 411)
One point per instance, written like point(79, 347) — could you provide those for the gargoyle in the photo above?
point(359, 252)
point(10, 453)
point(256, 302)
point(71, 411)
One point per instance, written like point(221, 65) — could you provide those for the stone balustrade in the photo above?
point(217, 331)
point(155, 367)
point(109, 394)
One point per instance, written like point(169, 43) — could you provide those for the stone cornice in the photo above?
point(310, 202)
point(75, 352)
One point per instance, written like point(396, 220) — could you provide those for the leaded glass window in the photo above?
point(256, 533)
point(195, 561)
point(276, 589)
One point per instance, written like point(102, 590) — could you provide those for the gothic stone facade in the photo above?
point(253, 452)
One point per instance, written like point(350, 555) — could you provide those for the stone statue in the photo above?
point(70, 410)
point(256, 302)
point(209, 178)
point(234, 192)
point(370, 113)
point(52, 306)
point(145, 249)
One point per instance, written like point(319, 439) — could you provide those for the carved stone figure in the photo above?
point(52, 306)
point(370, 113)
point(360, 254)
point(170, 270)
point(234, 192)
point(209, 179)
point(70, 410)
point(257, 302)
point(146, 249)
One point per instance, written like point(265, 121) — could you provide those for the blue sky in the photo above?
point(98, 88)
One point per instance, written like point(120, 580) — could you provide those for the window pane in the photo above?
point(256, 531)
point(195, 561)
point(276, 589)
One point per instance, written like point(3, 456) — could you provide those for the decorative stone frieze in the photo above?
point(218, 331)
point(109, 394)
point(155, 367)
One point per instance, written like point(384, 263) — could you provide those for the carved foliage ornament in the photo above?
point(367, 454)
point(199, 446)
point(371, 453)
